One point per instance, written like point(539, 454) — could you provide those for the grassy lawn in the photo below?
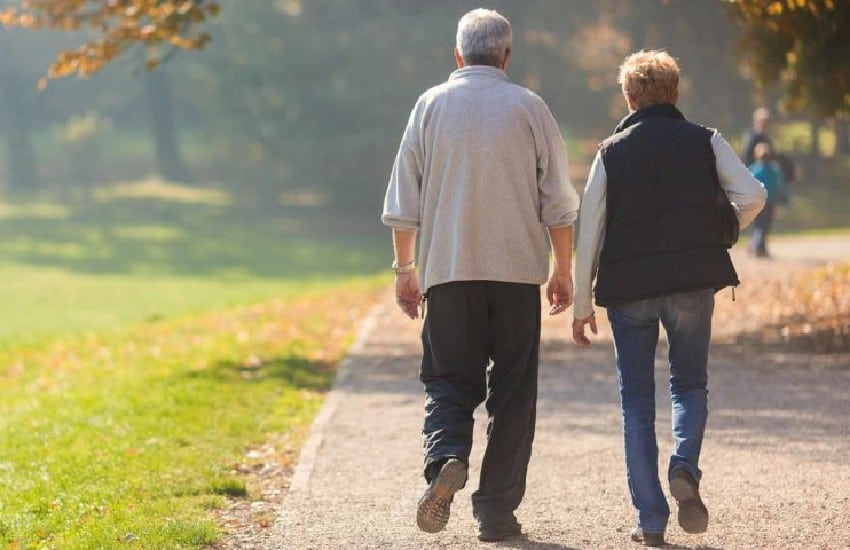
point(820, 206)
point(151, 335)
point(133, 436)
point(146, 251)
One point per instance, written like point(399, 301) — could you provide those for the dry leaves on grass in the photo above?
point(247, 522)
point(267, 469)
point(805, 312)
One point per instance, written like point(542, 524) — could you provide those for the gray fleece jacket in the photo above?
point(481, 173)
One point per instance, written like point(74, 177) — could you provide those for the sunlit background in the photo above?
point(184, 252)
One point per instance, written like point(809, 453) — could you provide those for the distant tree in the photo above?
point(160, 100)
point(18, 108)
point(803, 45)
point(20, 154)
point(162, 27)
point(842, 136)
point(310, 94)
point(118, 26)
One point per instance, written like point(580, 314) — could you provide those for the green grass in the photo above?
point(134, 434)
point(114, 152)
point(146, 251)
point(820, 203)
point(796, 137)
point(151, 334)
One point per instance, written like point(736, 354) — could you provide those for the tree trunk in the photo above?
point(842, 137)
point(813, 159)
point(20, 155)
point(168, 158)
point(814, 137)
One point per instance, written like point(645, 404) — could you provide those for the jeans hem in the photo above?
point(653, 530)
point(680, 464)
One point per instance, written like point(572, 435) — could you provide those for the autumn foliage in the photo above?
point(803, 45)
point(163, 25)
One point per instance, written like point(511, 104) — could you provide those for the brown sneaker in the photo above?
point(648, 539)
point(495, 530)
point(432, 514)
point(693, 515)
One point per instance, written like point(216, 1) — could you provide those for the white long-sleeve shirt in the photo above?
point(744, 191)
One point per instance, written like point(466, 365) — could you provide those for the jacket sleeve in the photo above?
point(743, 190)
point(591, 236)
point(559, 201)
point(402, 200)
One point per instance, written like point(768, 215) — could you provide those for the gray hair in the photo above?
point(483, 37)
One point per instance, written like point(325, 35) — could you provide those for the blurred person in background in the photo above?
point(769, 173)
point(650, 233)
point(759, 132)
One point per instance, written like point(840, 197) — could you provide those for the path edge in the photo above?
point(309, 452)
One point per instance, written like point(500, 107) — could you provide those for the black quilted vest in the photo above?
point(663, 228)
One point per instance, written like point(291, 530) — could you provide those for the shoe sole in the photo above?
point(499, 536)
point(649, 543)
point(693, 515)
point(648, 539)
point(432, 514)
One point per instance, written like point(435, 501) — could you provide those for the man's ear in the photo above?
point(458, 59)
point(507, 58)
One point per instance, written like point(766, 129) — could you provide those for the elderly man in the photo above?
point(649, 221)
point(481, 175)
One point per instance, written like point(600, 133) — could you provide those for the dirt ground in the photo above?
point(776, 456)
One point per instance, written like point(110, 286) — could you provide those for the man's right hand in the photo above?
point(407, 293)
point(559, 292)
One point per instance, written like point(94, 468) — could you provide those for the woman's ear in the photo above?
point(630, 101)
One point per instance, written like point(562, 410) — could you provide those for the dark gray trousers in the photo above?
point(481, 342)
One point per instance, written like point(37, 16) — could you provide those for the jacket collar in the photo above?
point(479, 71)
point(658, 109)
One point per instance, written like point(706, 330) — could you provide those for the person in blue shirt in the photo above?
point(769, 174)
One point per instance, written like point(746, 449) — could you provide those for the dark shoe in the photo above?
point(490, 530)
point(648, 539)
point(432, 514)
point(693, 515)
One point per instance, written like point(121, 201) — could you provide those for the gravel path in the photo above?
point(776, 457)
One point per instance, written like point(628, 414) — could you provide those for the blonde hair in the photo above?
point(650, 77)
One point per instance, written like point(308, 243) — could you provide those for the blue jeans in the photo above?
point(686, 318)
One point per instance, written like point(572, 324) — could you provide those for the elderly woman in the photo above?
point(650, 233)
